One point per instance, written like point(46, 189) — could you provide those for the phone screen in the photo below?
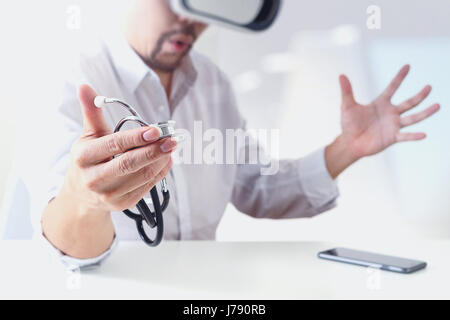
point(370, 259)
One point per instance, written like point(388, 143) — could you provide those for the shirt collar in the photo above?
point(187, 70)
point(132, 69)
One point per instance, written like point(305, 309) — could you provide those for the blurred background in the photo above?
point(285, 78)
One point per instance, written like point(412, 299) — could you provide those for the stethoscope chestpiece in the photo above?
point(166, 129)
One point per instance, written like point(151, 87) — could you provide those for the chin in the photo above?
point(165, 66)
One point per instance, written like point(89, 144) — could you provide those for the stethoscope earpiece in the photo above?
point(100, 101)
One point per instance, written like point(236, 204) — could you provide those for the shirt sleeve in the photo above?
point(266, 187)
point(299, 189)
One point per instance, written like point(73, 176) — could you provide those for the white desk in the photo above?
point(210, 270)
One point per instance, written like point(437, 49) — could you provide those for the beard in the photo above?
point(156, 60)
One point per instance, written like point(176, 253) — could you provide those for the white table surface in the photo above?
point(223, 270)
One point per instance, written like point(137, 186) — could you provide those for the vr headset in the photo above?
point(249, 15)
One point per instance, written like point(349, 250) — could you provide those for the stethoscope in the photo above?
point(153, 219)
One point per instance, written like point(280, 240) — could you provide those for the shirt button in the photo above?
point(162, 108)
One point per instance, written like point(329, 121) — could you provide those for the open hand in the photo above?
point(369, 129)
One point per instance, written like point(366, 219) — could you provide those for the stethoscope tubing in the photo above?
point(153, 219)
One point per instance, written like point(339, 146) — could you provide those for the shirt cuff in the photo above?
point(82, 264)
point(317, 184)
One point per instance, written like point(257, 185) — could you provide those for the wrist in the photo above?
point(339, 156)
point(76, 229)
point(74, 200)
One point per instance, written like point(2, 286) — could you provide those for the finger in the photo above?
point(136, 180)
point(130, 199)
point(396, 82)
point(418, 117)
point(134, 160)
point(346, 91)
point(408, 136)
point(414, 101)
point(106, 147)
point(94, 123)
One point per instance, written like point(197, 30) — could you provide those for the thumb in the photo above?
point(348, 99)
point(94, 123)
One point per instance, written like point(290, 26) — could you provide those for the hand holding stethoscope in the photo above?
point(106, 172)
point(153, 218)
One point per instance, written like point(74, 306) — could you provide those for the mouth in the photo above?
point(180, 43)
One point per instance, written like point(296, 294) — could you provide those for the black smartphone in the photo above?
point(374, 260)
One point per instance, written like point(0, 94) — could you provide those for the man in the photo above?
point(155, 71)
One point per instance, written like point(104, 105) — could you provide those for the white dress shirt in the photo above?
point(199, 192)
